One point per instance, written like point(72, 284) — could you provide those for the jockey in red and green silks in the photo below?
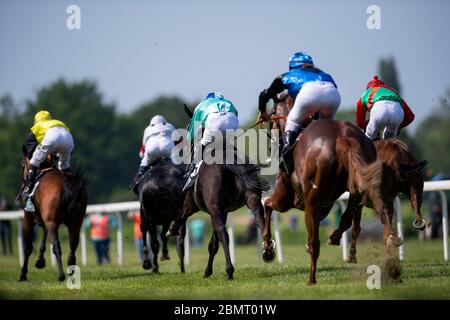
point(388, 112)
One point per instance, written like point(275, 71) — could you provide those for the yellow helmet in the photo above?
point(42, 115)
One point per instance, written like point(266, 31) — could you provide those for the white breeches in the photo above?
point(218, 122)
point(57, 140)
point(157, 147)
point(316, 96)
point(385, 115)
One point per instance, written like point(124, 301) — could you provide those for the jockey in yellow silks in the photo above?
point(47, 136)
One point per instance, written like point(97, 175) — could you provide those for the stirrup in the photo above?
point(29, 206)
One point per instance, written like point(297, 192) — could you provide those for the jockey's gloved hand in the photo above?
point(262, 101)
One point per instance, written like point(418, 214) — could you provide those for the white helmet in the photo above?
point(158, 119)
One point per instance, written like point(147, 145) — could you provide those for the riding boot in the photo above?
point(193, 171)
point(142, 170)
point(289, 140)
point(29, 182)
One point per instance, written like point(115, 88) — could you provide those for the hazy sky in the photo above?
point(137, 50)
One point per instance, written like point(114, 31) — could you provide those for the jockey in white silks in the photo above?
point(157, 144)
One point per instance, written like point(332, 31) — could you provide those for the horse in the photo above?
point(219, 189)
point(407, 179)
point(59, 198)
point(161, 198)
point(330, 158)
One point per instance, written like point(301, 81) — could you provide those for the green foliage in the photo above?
point(107, 142)
point(388, 73)
point(434, 137)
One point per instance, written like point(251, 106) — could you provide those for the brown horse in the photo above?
point(407, 179)
point(58, 199)
point(219, 189)
point(330, 158)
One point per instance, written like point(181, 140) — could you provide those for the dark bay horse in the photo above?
point(330, 158)
point(58, 199)
point(161, 198)
point(219, 189)
point(406, 178)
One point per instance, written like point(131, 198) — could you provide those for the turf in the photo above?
point(425, 276)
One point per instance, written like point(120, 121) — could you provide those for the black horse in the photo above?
point(161, 198)
point(219, 189)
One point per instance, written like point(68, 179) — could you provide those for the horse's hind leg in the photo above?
point(189, 208)
point(346, 220)
point(180, 246)
point(218, 221)
point(415, 197)
point(28, 228)
point(54, 240)
point(165, 240)
point(40, 262)
point(268, 254)
point(146, 263)
point(356, 229)
point(213, 247)
point(154, 243)
point(74, 239)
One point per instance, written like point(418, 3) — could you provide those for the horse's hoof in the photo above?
point(22, 278)
point(155, 271)
point(268, 255)
point(207, 275)
point(61, 278)
point(40, 264)
point(311, 283)
point(419, 225)
point(352, 259)
point(172, 233)
point(230, 277)
point(164, 257)
point(395, 241)
point(333, 242)
point(147, 264)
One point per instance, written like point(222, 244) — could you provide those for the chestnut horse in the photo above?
point(407, 179)
point(58, 199)
point(330, 158)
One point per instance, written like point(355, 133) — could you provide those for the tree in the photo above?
point(434, 136)
point(388, 73)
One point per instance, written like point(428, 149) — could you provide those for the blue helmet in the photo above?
point(298, 59)
point(214, 95)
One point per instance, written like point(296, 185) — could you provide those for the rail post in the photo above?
point(444, 223)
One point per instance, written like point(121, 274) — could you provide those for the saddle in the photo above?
point(29, 206)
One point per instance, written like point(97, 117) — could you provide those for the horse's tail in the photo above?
point(364, 176)
point(74, 190)
point(249, 173)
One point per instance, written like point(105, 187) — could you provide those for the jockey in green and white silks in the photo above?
point(214, 114)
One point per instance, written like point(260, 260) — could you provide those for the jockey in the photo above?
point(313, 90)
point(156, 144)
point(215, 113)
point(47, 136)
point(388, 111)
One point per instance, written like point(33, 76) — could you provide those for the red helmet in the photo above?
point(374, 82)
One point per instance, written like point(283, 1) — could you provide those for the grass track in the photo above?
point(425, 276)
